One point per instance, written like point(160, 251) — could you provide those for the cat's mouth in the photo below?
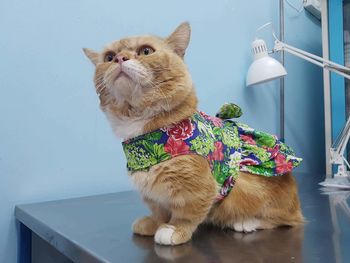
point(122, 78)
point(128, 79)
point(122, 74)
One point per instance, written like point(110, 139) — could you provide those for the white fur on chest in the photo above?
point(126, 128)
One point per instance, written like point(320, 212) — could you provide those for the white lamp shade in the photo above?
point(264, 67)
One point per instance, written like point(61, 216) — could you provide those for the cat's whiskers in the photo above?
point(153, 93)
point(99, 89)
point(108, 76)
point(166, 100)
point(156, 90)
point(103, 81)
point(98, 85)
point(99, 82)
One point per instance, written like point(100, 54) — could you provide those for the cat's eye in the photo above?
point(109, 56)
point(145, 50)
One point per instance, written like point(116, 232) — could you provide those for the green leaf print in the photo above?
point(269, 164)
point(153, 136)
point(219, 174)
point(137, 157)
point(148, 146)
point(247, 130)
point(288, 150)
point(164, 157)
point(225, 169)
point(266, 140)
point(234, 160)
point(230, 137)
point(260, 170)
point(261, 153)
point(205, 129)
point(159, 153)
point(217, 132)
point(202, 145)
point(156, 151)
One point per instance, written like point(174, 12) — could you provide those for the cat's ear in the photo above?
point(180, 39)
point(92, 55)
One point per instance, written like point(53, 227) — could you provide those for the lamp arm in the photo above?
point(340, 143)
point(319, 61)
point(338, 72)
point(338, 148)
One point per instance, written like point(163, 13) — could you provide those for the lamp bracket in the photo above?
point(278, 46)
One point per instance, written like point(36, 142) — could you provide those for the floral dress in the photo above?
point(228, 146)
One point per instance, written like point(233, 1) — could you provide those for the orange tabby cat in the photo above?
point(143, 85)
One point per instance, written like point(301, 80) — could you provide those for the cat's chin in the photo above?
point(125, 89)
point(123, 75)
point(123, 81)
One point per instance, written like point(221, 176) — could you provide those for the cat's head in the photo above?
point(144, 72)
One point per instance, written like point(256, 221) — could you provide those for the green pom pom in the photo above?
point(229, 111)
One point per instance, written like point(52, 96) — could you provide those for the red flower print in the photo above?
point(176, 147)
point(280, 159)
point(218, 152)
point(180, 131)
point(204, 115)
point(282, 166)
point(273, 151)
point(214, 120)
point(248, 139)
point(248, 161)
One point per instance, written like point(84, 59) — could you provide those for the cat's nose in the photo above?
point(120, 59)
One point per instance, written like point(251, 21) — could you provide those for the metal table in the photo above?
point(98, 229)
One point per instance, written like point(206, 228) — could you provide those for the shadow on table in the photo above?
point(211, 244)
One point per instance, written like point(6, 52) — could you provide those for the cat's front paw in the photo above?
point(170, 235)
point(145, 226)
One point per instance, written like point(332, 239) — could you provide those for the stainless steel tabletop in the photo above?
point(98, 229)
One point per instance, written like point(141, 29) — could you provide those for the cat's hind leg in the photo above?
point(246, 225)
point(250, 225)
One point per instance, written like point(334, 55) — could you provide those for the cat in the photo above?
point(143, 85)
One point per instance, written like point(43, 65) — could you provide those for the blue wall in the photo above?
point(54, 141)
